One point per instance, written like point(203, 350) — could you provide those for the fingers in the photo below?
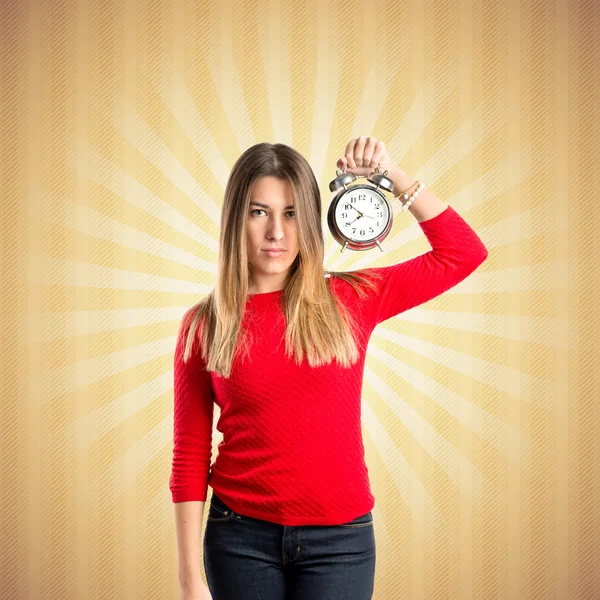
point(379, 155)
point(349, 153)
point(362, 152)
point(359, 150)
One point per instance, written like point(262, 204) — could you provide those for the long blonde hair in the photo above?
point(316, 323)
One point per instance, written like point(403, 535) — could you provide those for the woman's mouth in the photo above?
point(273, 253)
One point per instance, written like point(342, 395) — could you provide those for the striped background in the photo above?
point(119, 123)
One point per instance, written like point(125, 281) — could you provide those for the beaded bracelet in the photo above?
point(405, 205)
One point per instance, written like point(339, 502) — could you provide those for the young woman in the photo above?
point(279, 345)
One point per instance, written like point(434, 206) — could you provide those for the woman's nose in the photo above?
point(275, 226)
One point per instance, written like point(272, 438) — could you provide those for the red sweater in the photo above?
point(292, 450)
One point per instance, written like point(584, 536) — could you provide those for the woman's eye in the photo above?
point(261, 210)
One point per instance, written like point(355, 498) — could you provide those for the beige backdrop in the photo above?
point(120, 123)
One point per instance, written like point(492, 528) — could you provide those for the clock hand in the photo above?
point(361, 215)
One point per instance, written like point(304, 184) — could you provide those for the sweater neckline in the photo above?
point(265, 294)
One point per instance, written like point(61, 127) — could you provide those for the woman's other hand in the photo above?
point(199, 592)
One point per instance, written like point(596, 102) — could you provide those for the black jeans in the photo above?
point(250, 559)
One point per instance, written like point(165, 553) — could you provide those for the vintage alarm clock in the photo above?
point(360, 216)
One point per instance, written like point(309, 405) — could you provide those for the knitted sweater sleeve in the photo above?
point(192, 424)
point(456, 251)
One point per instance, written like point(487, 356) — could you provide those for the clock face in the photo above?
point(362, 214)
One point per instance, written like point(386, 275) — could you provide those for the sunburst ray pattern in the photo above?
point(120, 124)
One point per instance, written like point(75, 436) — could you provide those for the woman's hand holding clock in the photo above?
point(359, 215)
point(364, 154)
point(363, 201)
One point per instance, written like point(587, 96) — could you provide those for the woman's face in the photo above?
point(271, 224)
